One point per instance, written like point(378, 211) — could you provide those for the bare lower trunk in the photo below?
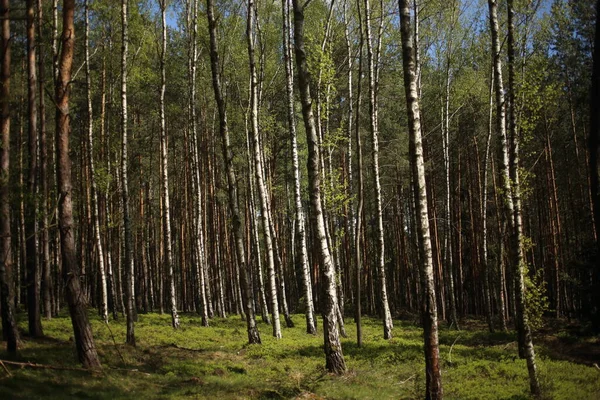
point(259, 176)
point(253, 334)
point(164, 166)
point(517, 248)
point(128, 234)
point(90, 148)
point(31, 226)
point(84, 341)
point(387, 317)
point(9, 325)
point(334, 357)
point(429, 307)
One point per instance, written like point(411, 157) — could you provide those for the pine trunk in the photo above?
point(7, 306)
point(84, 341)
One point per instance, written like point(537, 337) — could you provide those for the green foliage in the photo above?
point(536, 299)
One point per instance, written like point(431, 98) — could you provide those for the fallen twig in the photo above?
point(43, 366)
point(6, 369)
point(406, 380)
point(451, 347)
point(115, 342)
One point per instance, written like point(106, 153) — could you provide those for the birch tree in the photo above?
point(253, 334)
point(258, 171)
point(90, 152)
point(387, 317)
point(128, 234)
point(429, 306)
point(164, 167)
point(301, 249)
point(334, 357)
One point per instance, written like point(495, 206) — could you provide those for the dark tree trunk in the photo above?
point(84, 341)
point(9, 325)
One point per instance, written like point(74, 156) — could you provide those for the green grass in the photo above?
point(216, 362)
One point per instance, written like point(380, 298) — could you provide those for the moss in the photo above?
point(216, 362)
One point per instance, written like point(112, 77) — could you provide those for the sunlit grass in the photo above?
point(216, 362)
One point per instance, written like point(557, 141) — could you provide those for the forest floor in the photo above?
point(216, 363)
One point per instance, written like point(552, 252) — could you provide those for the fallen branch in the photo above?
point(6, 369)
point(43, 366)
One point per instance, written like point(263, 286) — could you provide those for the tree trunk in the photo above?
point(84, 341)
point(594, 147)
point(164, 166)
point(258, 171)
point(517, 247)
point(90, 150)
point(31, 227)
point(128, 234)
point(253, 334)
point(360, 189)
point(333, 348)
point(44, 178)
point(429, 307)
point(300, 245)
point(387, 317)
point(7, 306)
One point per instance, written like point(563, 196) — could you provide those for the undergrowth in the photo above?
point(217, 363)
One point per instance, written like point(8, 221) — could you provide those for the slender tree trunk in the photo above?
point(9, 324)
point(429, 307)
point(128, 234)
point(31, 227)
point(360, 189)
point(168, 263)
point(253, 334)
point(387, 317)
point(517, 248)
point(84, 341)
point(300, 245)
point(198, 225)
point(593, 146)
point(44, 177)
point(484, 197)
point(258, 171)
point(334, 356)
point(90, 149)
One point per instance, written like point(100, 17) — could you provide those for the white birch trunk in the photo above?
point(90, 144)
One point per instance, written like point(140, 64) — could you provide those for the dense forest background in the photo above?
point(194, 171)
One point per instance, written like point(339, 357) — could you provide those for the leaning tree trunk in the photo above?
point(387, 316)
point(432, 365)
point(84, 341)
point(517, 248)
point(253, 334)
point(301, 249)
point(128, 234)
point(90, 144)
point(164, 166)
point(31, 231)
point(258, 171)
point(334, 357)
point(9, 324)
